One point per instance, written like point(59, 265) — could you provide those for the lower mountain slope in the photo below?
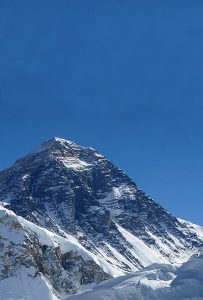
point(156, 282)
point(38, 264)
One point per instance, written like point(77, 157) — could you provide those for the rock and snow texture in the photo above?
point(25, 285)
point(38, 264)
point(75, 200)
point(156, 282)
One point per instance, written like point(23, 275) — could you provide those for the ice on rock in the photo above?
point(73, 214)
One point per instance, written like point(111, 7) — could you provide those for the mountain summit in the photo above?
point(75, 191)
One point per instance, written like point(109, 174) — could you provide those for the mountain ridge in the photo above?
point(72, 190)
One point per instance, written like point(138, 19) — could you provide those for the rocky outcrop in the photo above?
point(24, 246)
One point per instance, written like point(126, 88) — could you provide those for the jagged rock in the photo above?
point(75, 191)
point(24, 245)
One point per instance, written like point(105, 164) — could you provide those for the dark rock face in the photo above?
point(29, 251)
point(70, 189)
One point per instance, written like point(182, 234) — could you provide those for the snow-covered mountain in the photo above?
point(73, 196)
point(38, 264)
point(156, 282)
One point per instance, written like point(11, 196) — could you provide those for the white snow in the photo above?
point(24, 286)
point(75, 163)
point(157, 282)
point(46, 145)
point(70, 243)
point(196, 229)
point(46, 237)
point(112, 198)
point(140, 250)
point(9, 227)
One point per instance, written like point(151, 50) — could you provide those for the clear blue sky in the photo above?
point(125, 77)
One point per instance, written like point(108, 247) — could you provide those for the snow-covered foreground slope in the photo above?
point(38, 264)
point(24, 285)
point(156, 282)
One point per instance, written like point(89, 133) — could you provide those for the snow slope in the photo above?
point(24, 286)
point(157, 282)
point(38, 264)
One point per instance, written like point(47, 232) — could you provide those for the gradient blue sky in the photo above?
point(125, 77)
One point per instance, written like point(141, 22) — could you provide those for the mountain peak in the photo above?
point(69, 189)
point(63, 151)
point(59, 140)
point(76, 193)
point(57, 143)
